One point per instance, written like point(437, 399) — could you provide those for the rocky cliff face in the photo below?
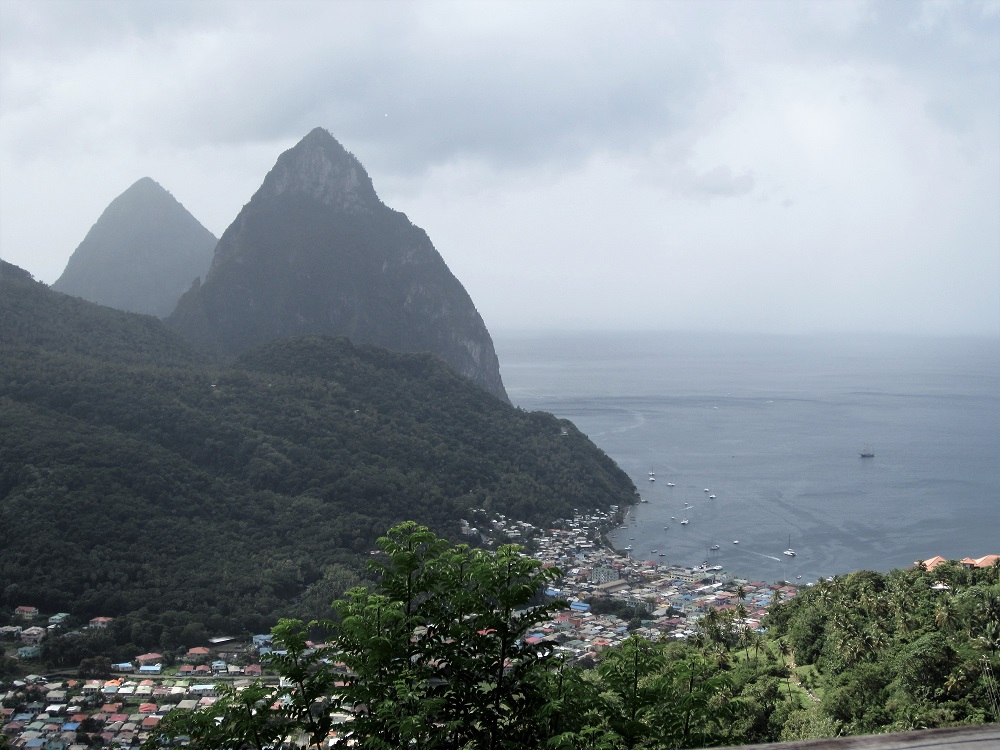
point(316, 252)
point(141, 255)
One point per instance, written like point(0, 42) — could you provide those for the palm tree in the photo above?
point(874, 641)
point(744, 628)
point(718, 653)
point(944, 614)
point(955, 681)
point(786, 652)
point(776, 597)
point(989, 639)
point(988, 609)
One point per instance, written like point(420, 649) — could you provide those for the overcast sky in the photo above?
point(748, 166)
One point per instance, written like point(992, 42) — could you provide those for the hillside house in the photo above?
point(26, 612)
point(33, 636)
point(197, 653)
point(26, 653)
point(986, 561)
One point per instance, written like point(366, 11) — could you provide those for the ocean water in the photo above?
point(772, 426)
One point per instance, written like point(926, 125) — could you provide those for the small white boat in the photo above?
point(736, 541)
point(714, 547)
point(707, 490)
point(790, 552)
point(711, 497)
point(670, 484)
point(684, 522)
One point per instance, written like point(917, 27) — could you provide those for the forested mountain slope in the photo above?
point(139, 475)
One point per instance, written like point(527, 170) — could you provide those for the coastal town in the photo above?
point(668, 599)
point(610, 596)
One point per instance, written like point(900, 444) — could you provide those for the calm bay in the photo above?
point(772, 426)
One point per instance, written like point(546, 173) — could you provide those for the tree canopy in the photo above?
point(148, 481)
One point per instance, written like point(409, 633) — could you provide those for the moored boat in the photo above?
point(790, 552)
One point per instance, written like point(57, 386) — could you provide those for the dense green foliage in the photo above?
point(902, 650)
point(188, 496)
point(144, 480)
point(436, 656)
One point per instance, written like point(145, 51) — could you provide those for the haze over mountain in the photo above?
point(141, 255)
point(170, 487)
point(315, 251)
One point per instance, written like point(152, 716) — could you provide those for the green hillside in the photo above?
point(139, 475)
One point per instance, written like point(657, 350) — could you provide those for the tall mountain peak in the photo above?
point(141, 254)
point(319, 167)
point(315, 251)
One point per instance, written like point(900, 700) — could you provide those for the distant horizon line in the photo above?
point(521, 330)
point(578, 330)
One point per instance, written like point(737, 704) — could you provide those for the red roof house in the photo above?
point(986, 561)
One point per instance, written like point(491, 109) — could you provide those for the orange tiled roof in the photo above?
point(985, 561)
point(933, 562)
point(980, 562)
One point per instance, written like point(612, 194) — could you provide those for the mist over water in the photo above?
point(772, 426)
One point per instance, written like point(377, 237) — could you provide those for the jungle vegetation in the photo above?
point(437, 655)
point(146, 480)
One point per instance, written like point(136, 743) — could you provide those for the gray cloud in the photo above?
point(721, 145)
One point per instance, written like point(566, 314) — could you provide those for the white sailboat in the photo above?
point(790, 552)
